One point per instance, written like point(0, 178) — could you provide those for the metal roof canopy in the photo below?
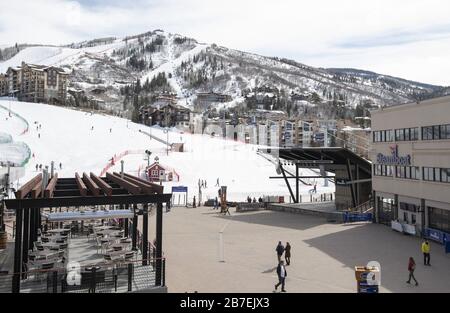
point(328, 157)
point(87, 215)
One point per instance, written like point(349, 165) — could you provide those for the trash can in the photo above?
point(365, 279)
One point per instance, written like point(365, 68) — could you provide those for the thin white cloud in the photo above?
point(401, 37)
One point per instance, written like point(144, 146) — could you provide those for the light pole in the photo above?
point(166, 130)
point(148, 153)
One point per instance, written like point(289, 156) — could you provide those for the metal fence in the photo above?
point(98, 278)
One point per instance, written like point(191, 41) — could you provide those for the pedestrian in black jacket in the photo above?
point(282, 274)
point(279, 249)
point(287, 253)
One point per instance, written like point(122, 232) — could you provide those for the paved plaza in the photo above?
point(323, 255)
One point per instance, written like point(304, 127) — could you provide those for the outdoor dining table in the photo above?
point(58, 230)
point(39, 263)
point(120, 246)
point(45, 256)
point(55, 237)
point(104, 227)
point(51, 245)
point(110, 232)
point(117, 254)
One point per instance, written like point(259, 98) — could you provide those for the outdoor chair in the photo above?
point(98, 245)
point(129, 256)
point(44, 269)
point(108, 258)
point(125, 240)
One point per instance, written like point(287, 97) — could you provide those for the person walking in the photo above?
point(315, 188)
point(217, 183)
point(216, 204)
point(282, 274)
point(279, 249)
point(287, 254)
point(411, 269)
point(426, 252)
point(60, 165)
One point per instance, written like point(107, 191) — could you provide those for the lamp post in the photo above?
point(148, 153)
point(166, 130)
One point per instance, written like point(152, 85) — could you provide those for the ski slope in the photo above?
point(66, 137)
point(170, 66)
point(56, 56)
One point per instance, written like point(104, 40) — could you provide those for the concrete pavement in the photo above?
point(323, 255)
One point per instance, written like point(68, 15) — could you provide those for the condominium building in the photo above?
point(36, 83)
point(3, 85)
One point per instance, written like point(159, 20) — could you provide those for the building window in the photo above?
point(439, 219)
point(436, 132)
point(409, 207)
point(428, 174)
point(441, 175)
point(408, 172)
point(407, 134)
point(445, 175)
point(383, 170)
point(383, 136)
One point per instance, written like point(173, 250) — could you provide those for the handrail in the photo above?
point(363, 207)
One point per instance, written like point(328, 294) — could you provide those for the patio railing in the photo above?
point(98, 278)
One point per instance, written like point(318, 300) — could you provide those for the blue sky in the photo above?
point(409, 39)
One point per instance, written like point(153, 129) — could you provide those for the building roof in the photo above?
point(411, 104)
point(339, 156)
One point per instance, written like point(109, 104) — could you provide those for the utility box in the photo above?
point(367, 279)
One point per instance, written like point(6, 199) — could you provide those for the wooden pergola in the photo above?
point(124, 190)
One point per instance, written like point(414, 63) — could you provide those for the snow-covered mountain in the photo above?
point(104, 67)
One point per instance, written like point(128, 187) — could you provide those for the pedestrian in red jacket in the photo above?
point(411, 269)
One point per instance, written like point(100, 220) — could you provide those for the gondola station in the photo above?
point(81, 234)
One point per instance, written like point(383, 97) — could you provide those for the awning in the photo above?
point(87, 215)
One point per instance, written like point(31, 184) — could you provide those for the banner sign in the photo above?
point(179, 189)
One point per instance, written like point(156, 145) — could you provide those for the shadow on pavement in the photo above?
point(359, 245)
point(277, 219)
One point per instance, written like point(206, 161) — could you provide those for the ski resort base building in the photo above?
point(411, 167)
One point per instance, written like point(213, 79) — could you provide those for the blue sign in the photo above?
point(366, 288)
point(437, 235)
point(179, 189)
point(394, 158)
point(357, 217)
